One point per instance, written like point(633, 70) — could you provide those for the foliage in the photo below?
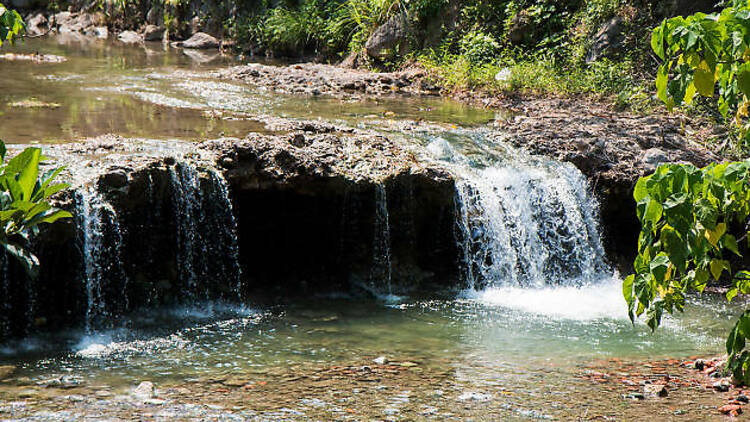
point(11, 25)
point(290, 30)
point(479, 47)
point(695, 222)
point(702, 51)
point(24, 202)
point(358, 19)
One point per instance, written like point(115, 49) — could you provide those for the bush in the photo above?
point(479, 47)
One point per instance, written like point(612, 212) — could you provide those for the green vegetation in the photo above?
point(11, 25)
point(24, 193)
point(542, 46)
point(696, 222)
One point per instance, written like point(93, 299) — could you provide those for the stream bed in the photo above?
point(538, 308)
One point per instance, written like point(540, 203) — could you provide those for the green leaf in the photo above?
point(704, 81)
point(29, 173)
point(743, 79)
point(659, 266)
point(25, 257)
point(715, 235)
point(662, 79)
point(718, 266)
point(730, 242)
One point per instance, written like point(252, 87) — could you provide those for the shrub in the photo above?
point(479, 47)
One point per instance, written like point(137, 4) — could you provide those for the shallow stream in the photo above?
point(511, 345)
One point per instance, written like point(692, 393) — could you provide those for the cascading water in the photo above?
point(524, 221)
point(101, 244)
point(381, 274)
point(206, 230)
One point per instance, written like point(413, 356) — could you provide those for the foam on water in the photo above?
point(582, 303)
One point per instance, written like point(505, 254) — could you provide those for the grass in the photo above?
point(541, 76)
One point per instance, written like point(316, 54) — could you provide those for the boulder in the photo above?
point(200, 40)
point(100, 32)
point(155, 16)
point(153, 33)
point(608, 41)
point(389, 38)
point(37, 25)
point(655, 390)
point(129, 37)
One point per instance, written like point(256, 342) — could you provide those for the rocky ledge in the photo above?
point(313, 210)
point(339, 82)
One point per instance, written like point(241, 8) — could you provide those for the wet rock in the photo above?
point(6, 371)
point(608, 41)
point(154, 402)
point(129, 37)
point(103, 394)
point(153, 33)
point(389, 38)
point(99, 32)
point(200, 40)
point(742, 399)
point(474, 396)
point(144, 391)
point(655, 390)
point(75, 398)
point(114, 180)
point(722, 386)
point(699, 364)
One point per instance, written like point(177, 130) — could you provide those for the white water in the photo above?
point(206, 230)
point(380, 279)
point(101, 253)
point(524, 221)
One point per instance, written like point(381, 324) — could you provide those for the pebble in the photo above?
point(721, 386)
point(380, 360)
point(145, 390)
point(655, 390)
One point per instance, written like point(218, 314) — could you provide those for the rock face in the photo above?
point(608, 41)
point(389, 39)
point(307, 208)
point(200, 41)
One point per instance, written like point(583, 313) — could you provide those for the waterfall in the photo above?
point(521, 220)
point(206, 230)
point(381, 274)
point(528, 225)
point(101, 244)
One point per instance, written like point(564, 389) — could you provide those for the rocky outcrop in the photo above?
point(612, 150)
point(307, 206)
point(389, 39)
point(608, 41)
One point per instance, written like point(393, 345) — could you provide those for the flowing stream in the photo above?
point(538, 299)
